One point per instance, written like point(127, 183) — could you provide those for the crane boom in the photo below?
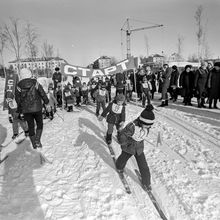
point(129, 31)
point(140, 29)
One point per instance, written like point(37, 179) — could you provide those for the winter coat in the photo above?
point(52, 100)
point(69, 95)
point(29, 95)
point(57, 77)
point(214, 84)
point(174, 78)
point(201, 77)
point(84, 91)
point(146, 87)
point(166, 75)
point(186, 81)
point(152, 79)
point(115, 113)
point(128, 139)
point(101, 95)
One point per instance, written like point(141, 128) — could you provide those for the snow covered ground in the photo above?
point(81, 182)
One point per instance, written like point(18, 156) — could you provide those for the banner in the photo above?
point(10, 84)
point(68, 69)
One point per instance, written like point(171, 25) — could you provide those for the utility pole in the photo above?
point(128, 31)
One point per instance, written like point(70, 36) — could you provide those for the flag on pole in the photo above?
point(159, 140)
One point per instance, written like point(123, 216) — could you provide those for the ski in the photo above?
point(4, 159)
point(152, 198)
point(12, 140)
point(121, 174)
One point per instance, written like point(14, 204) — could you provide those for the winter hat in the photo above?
point(174, 67)
point(120, 97)
point(217, 64)
point(25, 73)
point(147, 116)
point(57, 68)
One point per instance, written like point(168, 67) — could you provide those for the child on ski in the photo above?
point(131, 139)
point(115, 113)
point(69, 97)
point(100, 95)
point(85, 93)
point(15, 118)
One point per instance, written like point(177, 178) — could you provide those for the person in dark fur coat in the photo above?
point(131, 139)
point(214, 85)
point(29, 95)
point(186, 83)
point(115, 113)
point(200, 84)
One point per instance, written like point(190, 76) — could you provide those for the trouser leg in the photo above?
point(122, 160)
point(144, 169)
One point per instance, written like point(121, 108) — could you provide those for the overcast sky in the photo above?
point(83, 30)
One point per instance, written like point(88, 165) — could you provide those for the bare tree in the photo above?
point(205, 48)
point(200, 31)
point(180, 47)
point(13, 33)
point(31, 41)
point(3, 41)
point(47, 50)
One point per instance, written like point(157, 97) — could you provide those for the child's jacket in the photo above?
point(115, 113)
point(132, 138)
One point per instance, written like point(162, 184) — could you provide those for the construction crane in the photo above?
point(128, 31)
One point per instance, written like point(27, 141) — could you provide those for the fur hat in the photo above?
point(25, 73)
point(217, 64)
point(120, 97)
point(147, 116)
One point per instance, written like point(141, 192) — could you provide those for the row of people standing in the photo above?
point(203, 83)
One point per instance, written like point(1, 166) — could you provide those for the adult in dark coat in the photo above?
point(151, 77)
point(186, 83)
point(200, 84)
point(29, 95)
point(166, 75)
point(214, 85)
point(174, 83)
point(57, 77)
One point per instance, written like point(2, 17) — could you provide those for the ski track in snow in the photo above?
point(190, 171)
point(81, 182)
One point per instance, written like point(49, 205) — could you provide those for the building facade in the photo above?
point(38, 63)
point(102, 62)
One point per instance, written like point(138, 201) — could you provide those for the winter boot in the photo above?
point(162, 104)
point(14, 136)
point(108, 138)
point(38, 137)
point(32, 138)
point(215, 103)
point(166, 102)
point(210, 103)
point(26, 133)
point(203, 103)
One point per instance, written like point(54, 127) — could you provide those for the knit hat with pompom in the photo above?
point(147, 116)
